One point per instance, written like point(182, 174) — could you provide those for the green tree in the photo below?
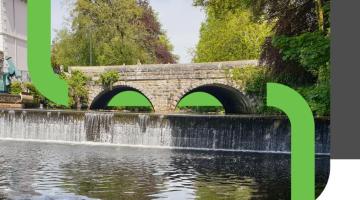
point(78, 91)
point(232, 36)
point(111, 33)
point(310, 50)
point(298, 50)
point(289, 18)
point(66, 50)
point(108, 79)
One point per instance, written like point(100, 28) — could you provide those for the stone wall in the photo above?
point(165, 85)
point(10, 101)
point(9, 98)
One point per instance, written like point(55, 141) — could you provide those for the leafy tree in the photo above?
point(310, 50)
point(298, 50)
point(289, 17)
point(232, 36)
point(156, 40)
point(320, 95)
point(108, 79)
point(67, 51)
point(111, 33)
point(78, 92)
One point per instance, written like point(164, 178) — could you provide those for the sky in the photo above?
point(179, 19)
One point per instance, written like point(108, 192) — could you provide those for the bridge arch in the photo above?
point(233, 99)
point(102, 100)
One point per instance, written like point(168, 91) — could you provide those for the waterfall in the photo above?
point(245, 133)
point(42, 125)
point(99, 127)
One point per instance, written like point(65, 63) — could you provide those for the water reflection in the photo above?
point(53, 171)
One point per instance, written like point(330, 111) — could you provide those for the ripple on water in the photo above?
point(57, 171)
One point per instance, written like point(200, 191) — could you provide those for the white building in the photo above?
point(13, 32)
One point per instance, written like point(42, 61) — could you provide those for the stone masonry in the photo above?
point(166, 84)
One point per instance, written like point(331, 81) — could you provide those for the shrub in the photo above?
point(78, 91)
point(16, 87)
point(108, 79)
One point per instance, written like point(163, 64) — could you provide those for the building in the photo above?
point(13, 33)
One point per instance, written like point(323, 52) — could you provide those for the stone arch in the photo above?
point(103, 98)
point(233, 99)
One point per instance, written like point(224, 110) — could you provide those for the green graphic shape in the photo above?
point(199, 99)
point(129, 99)
point(302, 138)
point(39, 38)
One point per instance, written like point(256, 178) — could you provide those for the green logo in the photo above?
point(302, 138)
point(39, 40)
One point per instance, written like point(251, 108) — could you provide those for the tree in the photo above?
point(67, 51)
point(110, 33)
point(108, 79)
point(298, 50)
point(290, 18)
point(156, 40)
point(78, 91)
point(232, 36)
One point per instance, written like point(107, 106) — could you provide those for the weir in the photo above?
point(228, 132)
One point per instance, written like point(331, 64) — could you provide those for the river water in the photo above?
point(61, 155)
point(35, 170)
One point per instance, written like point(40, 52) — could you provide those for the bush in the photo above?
point(108, 79)
point(310, 50)
point(318, 96)
point(254, 82)
point(78, 91)
point(38, 98)
point(253, 79)
point(16, 87)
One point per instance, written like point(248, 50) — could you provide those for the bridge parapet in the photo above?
point(167, 71)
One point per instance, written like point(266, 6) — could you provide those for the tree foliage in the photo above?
point(252, 78)
point(231, 36)
point(110, 33)
point(310, 50)
point(289, 18)
point(78, 91)
point(298, 48)
point(108, 79)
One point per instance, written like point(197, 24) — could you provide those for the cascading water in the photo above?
point(245, 133)
point(42, 125)
point(99, 127)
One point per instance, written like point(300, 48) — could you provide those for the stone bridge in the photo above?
point(166, 84)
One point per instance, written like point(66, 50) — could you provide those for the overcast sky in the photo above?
point(179, 19)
